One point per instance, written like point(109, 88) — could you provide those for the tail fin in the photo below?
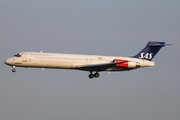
point(151, 49)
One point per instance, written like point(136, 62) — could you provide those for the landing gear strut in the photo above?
point(91, 75)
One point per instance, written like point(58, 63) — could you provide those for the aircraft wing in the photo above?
point(98, 67)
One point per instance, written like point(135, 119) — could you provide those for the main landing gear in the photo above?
point(91, 75)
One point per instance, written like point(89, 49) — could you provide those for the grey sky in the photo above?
point(101, 27)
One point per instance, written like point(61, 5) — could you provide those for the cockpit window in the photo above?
point(17, 55)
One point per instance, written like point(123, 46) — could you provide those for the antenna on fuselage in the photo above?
point(41, 51)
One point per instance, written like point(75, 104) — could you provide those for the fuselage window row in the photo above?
point(60, 58)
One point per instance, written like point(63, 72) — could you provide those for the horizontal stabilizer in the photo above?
point(158, 45)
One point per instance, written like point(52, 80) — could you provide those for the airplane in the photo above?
point(92, 63)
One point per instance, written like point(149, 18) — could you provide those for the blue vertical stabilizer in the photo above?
point(151, 49)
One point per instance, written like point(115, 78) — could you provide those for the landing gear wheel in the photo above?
point(91, 76)
point(96, 75)
point(13, 70)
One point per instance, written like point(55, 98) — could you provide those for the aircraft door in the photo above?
point(24, 57)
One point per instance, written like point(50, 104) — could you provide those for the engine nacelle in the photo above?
point(126, 64)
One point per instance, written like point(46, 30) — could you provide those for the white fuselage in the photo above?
point(71, 61)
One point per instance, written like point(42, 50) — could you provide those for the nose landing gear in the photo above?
point(14, 69)
point(91, 75)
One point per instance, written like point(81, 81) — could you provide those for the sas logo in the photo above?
point(146, 55)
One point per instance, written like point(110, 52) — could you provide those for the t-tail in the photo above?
point(151, 49)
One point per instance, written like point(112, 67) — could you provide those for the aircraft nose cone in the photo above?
point(8, 61)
